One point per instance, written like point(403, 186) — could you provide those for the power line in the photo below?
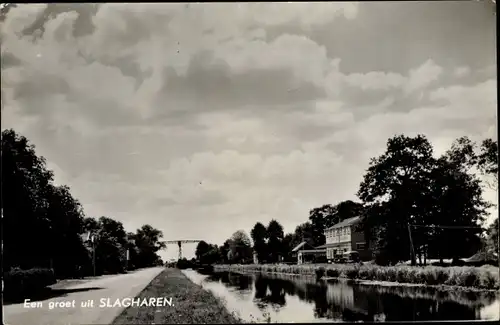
point(447, 227)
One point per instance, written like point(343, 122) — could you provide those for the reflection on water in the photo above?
point(258, 297)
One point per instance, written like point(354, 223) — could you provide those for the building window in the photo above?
point(348, 231)
point(345, 231)
point(360, 246)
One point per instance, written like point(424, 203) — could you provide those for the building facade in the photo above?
point(344, 237)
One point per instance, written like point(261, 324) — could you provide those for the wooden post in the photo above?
point(93, 253)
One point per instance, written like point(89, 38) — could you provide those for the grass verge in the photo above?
point(470, 277)
point(191, 304)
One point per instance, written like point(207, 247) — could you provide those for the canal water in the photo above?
point(273, 298)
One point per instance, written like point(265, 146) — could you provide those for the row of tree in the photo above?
point(413, 205)
point(44, 225)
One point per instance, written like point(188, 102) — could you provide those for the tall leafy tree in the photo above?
point(111, 243)
point(392, 191)
point(303, 232)
point(459, 206)
point(328, 215)
point(148, 242)
point(66, 216)
point(25, 182)
point(259, 237)
point(240, 248)
point(275, 235)
point(201, 250)
point(487, 161)
point(321, 218)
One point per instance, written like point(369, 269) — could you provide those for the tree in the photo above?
point(240, 247)
point(328, 215)
point(287, 247)
point(148, 242)
point(321, 218)
point(201, 249)
point(303, 232)
point(259, 237)
point(25, 180)
point(492, 238)
point(487, 161)
point(415, 200)
point(392, 191)
point(208, 253)
point(458, 202)
point(224, 251)
point(347, 209)
point(275, 235)
point(66, 217)
point(110, 246)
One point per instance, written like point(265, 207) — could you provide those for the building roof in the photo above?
point(304, 244)
point(329, 245)
point(346, 222)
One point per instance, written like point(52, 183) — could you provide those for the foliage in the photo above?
point(53, 222)
point(207, 253)
point(18, 282)
point(184, 264)
point(328, 215)
point(275, 235)
point(492, 238)
point(148, 242)
point(259, 236)
point(25, 180)
point(487, 161)
point(407, 191)
point(240, 249)
point(483, 278)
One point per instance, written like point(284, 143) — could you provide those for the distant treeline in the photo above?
point(44, 226)
point(439, 200)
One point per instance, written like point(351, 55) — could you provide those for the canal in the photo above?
point(273, 298)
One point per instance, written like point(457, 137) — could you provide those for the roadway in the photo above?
point(114, 287)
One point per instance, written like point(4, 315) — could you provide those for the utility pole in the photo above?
point(180, 249)
point(93, 253)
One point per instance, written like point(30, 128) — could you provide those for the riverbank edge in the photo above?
point(441, 287)
point(191, 303)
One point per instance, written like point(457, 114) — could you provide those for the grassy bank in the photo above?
point(190, 303)
point(471, 277)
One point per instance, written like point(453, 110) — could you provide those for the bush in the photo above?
point(352, 273)
point(320, 272)
point(18, 282)
point(489, 281)
point(469, 279)
point(334, 273)
point(429, 275)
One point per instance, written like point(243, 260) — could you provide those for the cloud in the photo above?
point(461, 71)
point(202, 119)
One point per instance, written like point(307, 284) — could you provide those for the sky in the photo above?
point(202, 119)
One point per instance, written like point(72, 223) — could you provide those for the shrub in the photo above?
point(352, 273)
point(334, 273)
point(320, 272)
point(391, 274)
point(469, 278)
point(18, 282)
point(403, 274)
point(489, 281)
point(429, 275)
